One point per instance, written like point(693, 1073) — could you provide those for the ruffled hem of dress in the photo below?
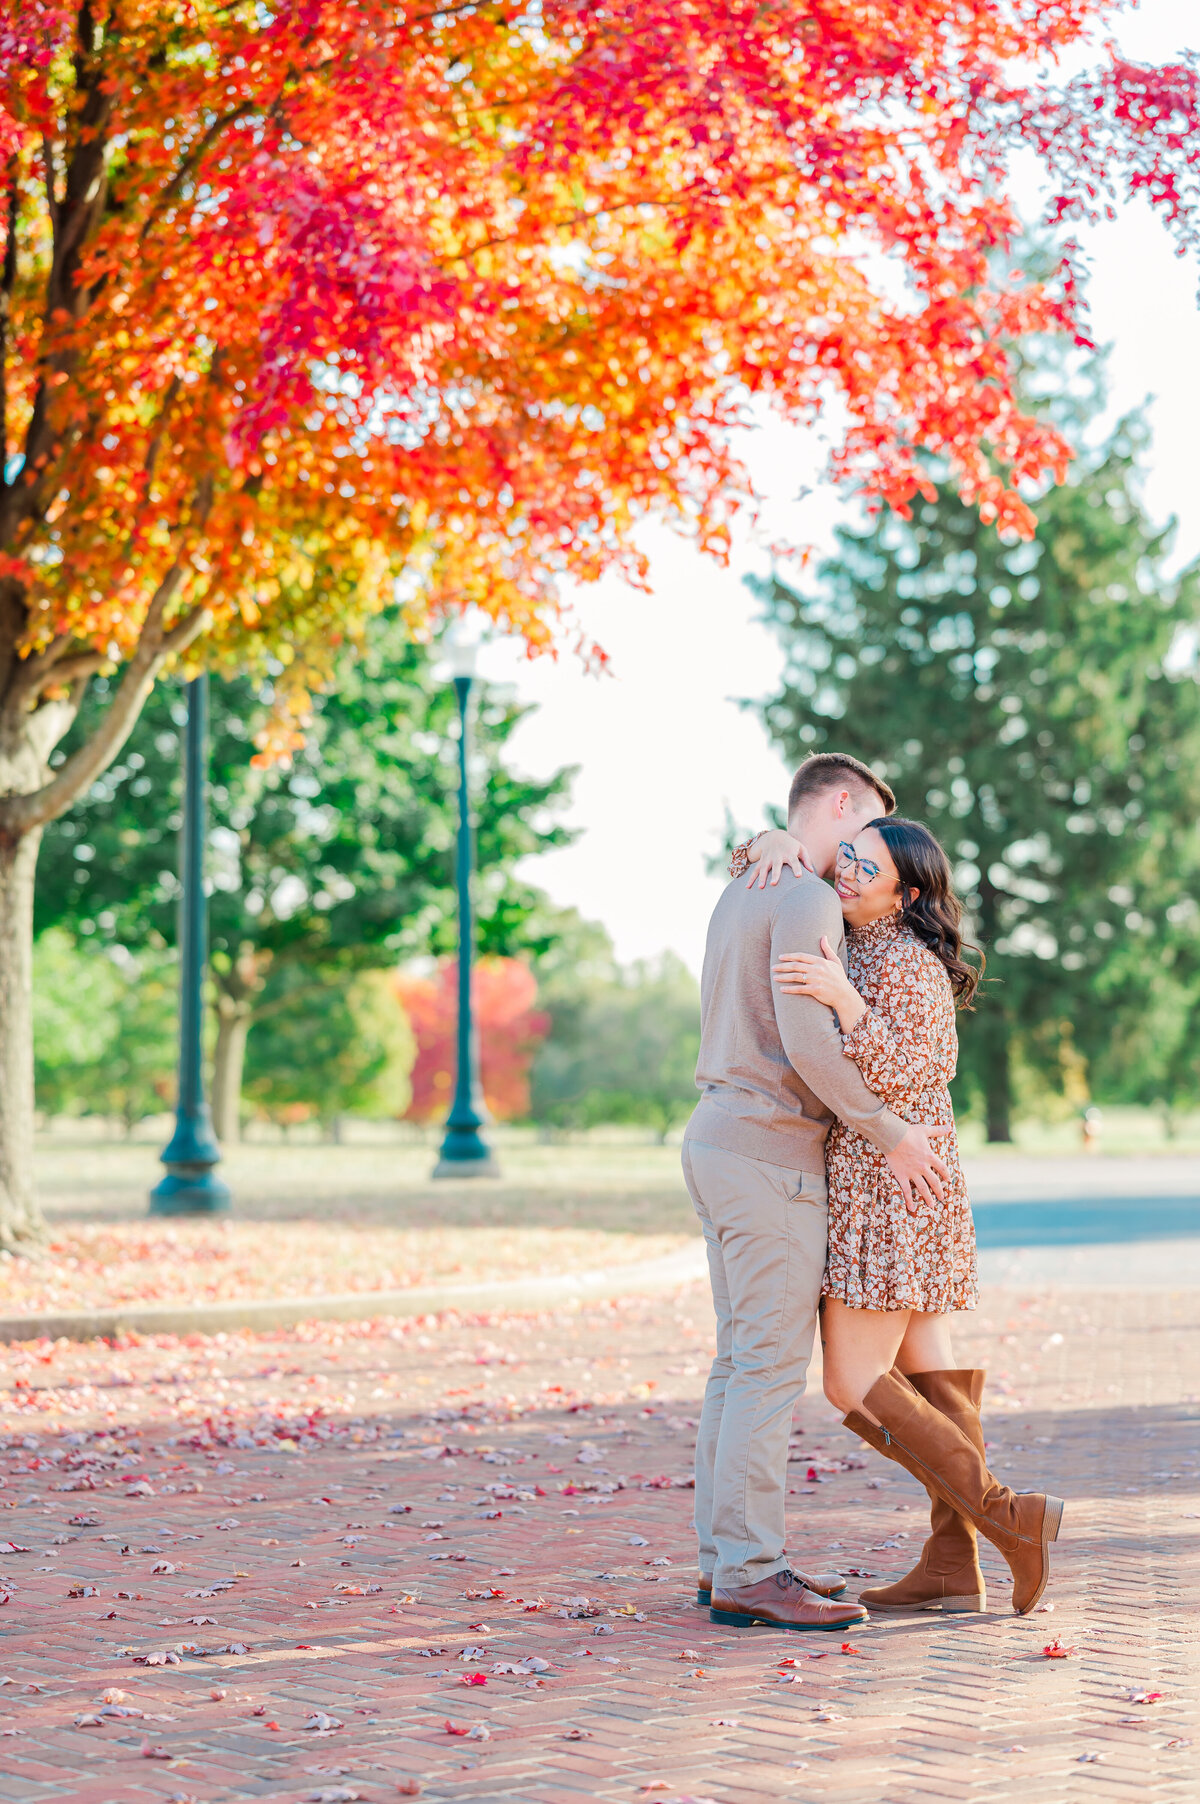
point(950, 1302)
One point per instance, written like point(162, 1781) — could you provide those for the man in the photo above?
point(773, 1076)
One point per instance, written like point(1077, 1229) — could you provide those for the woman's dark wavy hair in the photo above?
point(935, 915)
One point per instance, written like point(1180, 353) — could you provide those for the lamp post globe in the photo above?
point(465, 1152)
point(190, 1186)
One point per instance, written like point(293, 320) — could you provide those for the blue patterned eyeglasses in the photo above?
point(864, 869)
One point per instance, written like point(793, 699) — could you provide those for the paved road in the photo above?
point(1093, 1221)
point(217, 1595)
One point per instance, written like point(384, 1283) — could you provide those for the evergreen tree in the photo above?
point(1036, 704)
point(337, 862)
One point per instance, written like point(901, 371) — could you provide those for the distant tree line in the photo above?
point(325, 872)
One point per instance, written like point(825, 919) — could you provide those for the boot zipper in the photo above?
point(966, 1508)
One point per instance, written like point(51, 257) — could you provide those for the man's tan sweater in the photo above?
point(772, 1071)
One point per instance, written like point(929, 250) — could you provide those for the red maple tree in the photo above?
point(300, 304)
point(510, 1030)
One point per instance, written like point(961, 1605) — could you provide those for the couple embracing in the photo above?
point(822, 1163)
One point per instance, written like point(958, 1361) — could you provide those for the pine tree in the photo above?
point(1036, 704)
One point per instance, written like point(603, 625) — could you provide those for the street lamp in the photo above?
point(465, 1153)
point(190, 1188)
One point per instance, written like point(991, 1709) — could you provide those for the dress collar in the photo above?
point(876, 933)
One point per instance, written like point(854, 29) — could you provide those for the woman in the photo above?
point(899, 1267)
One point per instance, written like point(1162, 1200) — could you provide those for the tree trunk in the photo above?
point(235, 1017)
point(21, 1225)
point(40, 694)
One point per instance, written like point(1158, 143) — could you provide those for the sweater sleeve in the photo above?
point(809, 1031)
point(898, 1046)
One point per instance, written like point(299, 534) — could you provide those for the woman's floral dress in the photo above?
point(906, 1046)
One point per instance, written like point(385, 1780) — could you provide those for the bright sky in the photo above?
point(663, 745)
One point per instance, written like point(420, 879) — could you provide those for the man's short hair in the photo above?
point(824, 771)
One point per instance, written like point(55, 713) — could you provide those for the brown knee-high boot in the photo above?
point(1020, 1524)
point(947, 1575)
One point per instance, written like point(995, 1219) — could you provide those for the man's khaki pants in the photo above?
point(766, 1231)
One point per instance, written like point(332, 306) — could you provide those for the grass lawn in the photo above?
point(311, 1218)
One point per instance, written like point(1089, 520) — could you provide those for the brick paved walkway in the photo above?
point(217, 1592)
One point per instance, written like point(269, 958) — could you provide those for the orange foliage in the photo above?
point(509, 1027)
point(308, 298)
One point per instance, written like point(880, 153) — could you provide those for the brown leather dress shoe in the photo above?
point(825, 1584)
point(782, 1601)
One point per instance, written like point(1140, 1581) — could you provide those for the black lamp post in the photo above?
point(465, 1153)
point(189, 1187)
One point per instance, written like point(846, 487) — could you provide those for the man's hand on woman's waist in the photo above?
point(919, 1171)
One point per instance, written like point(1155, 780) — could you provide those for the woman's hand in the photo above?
point(804, 974)
point(775, 851)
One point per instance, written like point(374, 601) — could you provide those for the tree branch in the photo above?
point(204, 143)
point(72, 670)
point(8, 281)
point(20, 814)
point(51, 179)
point(36, 672)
